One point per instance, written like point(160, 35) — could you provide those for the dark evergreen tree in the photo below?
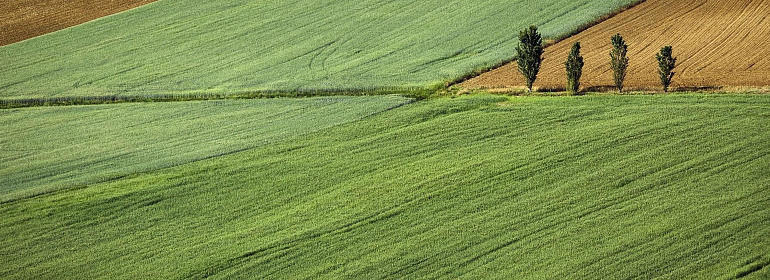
point(529, 54)
point(574, 66)
point(666, 63)
point(619, 61)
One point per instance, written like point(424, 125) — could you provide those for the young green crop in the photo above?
point(241, 46)
point(51, 148)
point(594, 187)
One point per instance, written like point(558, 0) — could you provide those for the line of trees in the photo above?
point(529, 57)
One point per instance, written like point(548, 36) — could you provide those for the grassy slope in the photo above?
point(546, 188)
point(50, 148)
point(243, 45)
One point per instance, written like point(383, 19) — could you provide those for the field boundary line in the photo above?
point(417, 93)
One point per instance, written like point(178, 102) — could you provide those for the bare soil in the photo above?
point(24, 19)
point(718, 43)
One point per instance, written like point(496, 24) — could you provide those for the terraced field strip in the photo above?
point(593, 187)
point(237, 46)
point(52, 148)
point(718, 43)
point(24, 19)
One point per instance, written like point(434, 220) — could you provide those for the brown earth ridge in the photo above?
point(718, 43)
point(24, 19)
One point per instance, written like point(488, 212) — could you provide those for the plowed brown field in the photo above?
point(24, 19)
point(717, 42)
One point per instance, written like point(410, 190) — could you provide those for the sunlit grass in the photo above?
point(51, 148)
point(240, 46)
point(592, 187)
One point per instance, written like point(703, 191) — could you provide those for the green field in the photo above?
point(226, 47)
point(593, 187)
point(50, 148)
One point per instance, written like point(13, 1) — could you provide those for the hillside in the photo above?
point(24, 19)
point(182, 46)
point(718, 43)
point(176, 170)
point(52, 148)
point(613, 187)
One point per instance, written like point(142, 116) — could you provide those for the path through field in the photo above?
point(24, 19)
point(718, 43)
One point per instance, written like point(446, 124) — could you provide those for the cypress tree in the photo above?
point(529, 54)
point(574, 67)
point(619, 61)
point(666, 63)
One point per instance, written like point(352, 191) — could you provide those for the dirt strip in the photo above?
point(24, 19)
point(718, 43)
